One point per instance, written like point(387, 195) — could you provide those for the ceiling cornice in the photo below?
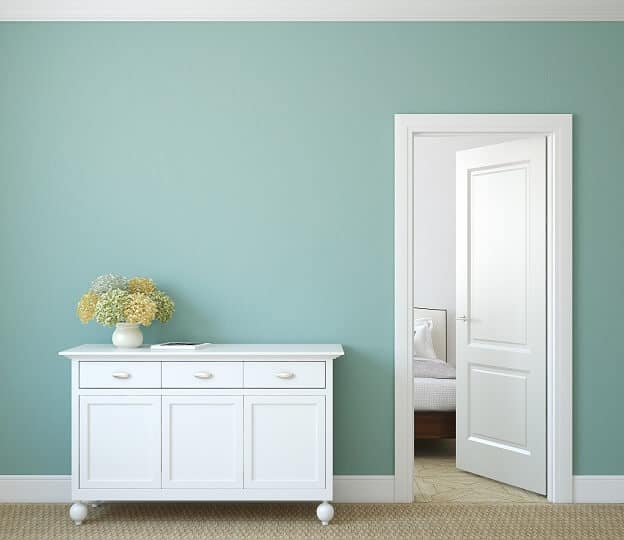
point(312, 10)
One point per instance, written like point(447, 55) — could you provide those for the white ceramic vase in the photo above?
point(127, 335)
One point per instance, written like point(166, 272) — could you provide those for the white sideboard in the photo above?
point(223, 423)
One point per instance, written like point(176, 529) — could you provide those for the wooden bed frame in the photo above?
point(434, 425)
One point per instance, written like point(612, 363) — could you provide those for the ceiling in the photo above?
point(314, 10)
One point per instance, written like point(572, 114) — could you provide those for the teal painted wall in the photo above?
point(249, 169)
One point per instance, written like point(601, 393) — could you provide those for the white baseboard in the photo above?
point(35, 488)
point(57, 489)
point(356, 489)
point(364, 489)
point(599, 489)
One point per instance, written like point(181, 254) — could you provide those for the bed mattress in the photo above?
point(434, 394)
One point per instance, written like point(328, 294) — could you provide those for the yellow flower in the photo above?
point(140, 309)
point(86, 307)
point(141, 284)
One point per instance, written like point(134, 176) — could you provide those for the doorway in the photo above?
point(493, 446)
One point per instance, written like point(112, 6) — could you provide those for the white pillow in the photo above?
point(423, 340)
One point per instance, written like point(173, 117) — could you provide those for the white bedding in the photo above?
point(434, 394)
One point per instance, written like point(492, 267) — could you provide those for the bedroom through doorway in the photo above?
point(446, 332)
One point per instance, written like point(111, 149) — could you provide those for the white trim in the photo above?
point(347, 489)
point(364, 489)
point(558, 128)
point(599, 489)
point(403, 315)
point(319, 10)
point(57, 489)
point(41, 488)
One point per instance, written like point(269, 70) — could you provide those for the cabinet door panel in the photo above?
point(120, 442)
point(284, 442)
point(202, 442)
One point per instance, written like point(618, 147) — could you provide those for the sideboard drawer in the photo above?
point(119, 374)
point(284, 374)
point(202, 374)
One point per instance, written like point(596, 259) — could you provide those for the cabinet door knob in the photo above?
point(121, 375)
point(203, 375)
point(285, 375)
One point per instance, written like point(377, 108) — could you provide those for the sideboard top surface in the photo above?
point(292, 352)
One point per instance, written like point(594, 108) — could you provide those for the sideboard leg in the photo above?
point(78, 512)
point(325, 512)
point(96, 504)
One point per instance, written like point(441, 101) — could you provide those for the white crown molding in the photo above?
point(57, 489)
point(312, 10)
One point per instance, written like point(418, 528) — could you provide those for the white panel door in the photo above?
point(202, 441)
point(501, 309)
point(285, 442)
point(120, 442)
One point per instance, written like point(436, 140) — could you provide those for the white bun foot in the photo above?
point(78, 512)
point(325, 512)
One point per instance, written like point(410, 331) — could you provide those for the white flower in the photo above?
point(108, 282)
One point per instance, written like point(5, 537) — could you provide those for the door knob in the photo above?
point(463, 318)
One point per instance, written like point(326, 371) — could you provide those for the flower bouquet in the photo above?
point(114, 300)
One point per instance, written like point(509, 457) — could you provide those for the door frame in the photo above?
point(558, 130)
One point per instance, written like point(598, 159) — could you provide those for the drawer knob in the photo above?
point(203, 375)
point(285, 375)
point(121, 375)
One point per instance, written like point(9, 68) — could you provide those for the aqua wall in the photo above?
point(249, 169)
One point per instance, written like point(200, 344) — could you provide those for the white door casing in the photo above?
point(558, 130)
point(202, 442)
point(501, 307)
point(284, 441)
point(120, 442)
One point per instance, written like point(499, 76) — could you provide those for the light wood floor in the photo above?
point(436, 480)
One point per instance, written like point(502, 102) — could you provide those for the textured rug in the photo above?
point(178, 521)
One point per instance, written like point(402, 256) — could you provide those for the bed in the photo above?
point(434, 378)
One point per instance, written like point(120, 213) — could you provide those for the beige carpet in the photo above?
point(177, 521)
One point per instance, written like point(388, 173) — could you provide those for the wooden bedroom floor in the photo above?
point(436, 480)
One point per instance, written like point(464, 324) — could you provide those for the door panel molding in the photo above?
point(511, 375)
point(558, 130)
